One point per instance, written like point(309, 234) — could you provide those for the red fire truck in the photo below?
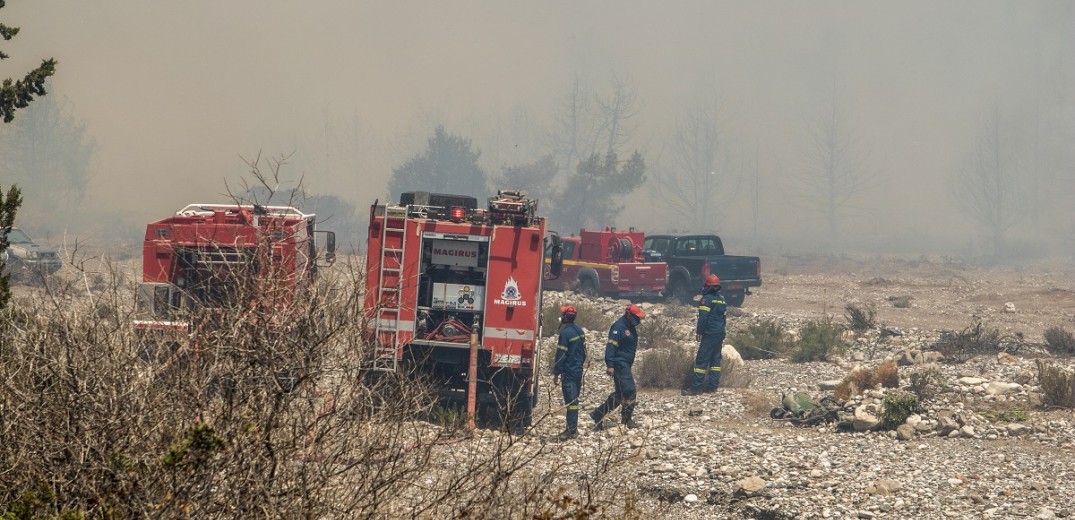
point(444, 275)
point(611, 263)
point(207, 255)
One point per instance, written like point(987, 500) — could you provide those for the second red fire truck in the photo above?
point(454, 292)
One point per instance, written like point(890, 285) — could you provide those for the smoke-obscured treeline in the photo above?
point(829, 126)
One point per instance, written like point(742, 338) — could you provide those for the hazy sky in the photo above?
point(176, 92)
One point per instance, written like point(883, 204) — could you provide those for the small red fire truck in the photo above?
point(610, 263)
point(453, 291)
point(207, 255)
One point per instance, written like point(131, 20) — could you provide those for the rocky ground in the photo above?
point(982, 447)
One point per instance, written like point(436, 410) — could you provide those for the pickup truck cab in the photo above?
point(691, 258)
point(609, 263)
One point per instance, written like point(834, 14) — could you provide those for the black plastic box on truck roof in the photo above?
point(443, 200)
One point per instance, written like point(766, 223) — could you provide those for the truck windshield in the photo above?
point(16, 236)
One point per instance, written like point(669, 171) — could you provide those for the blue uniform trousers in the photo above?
point(708, 362)
point(571, 386)
point(624, 393)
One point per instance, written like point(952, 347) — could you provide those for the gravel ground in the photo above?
point(982, 447)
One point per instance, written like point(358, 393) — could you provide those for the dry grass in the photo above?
point(861, 379)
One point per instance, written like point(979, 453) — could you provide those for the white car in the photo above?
point(23, 253)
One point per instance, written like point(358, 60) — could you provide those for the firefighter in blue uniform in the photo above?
point(567, 368)
point(710, 332)
point(619, 357)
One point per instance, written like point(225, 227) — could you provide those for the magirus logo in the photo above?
point(511, 295)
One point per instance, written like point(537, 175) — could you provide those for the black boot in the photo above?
point(568, 434)
point(628, 411)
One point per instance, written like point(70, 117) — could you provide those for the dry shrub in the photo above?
point(860, 318)
point(588, 317)
point(925, 383)
point(1057, 385)
point(659, 333)
point(1059, 340)
point(251, 423)
point(758, 403)
point(666, 368)
point(901, 302)
point(679, 310)
point(887, 375)
point(861, 379)
point(976, 339)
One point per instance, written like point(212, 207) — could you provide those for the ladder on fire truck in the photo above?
point(389, 285)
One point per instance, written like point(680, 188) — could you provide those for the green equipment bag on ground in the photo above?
point(801, 410)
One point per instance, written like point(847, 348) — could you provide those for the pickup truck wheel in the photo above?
point(735, 298)
point(678, 291)
point(588, 287)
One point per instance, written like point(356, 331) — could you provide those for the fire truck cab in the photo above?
point(442, 273)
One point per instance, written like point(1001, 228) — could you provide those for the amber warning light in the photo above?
point(458, 214)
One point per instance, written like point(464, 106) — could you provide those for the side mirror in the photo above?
point(330, 247)
point(556, 257)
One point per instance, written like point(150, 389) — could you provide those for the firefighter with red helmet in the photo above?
point(710, 330)
point(619, 357)
point(567, 367)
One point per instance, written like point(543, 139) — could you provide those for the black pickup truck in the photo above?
point(691, 258)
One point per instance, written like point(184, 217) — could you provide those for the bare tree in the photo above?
point(834, 171)
point(700, 178)
point(988, 188)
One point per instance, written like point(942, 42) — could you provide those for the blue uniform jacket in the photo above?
point(711, 314)
point(570, 351)
point(622, 343)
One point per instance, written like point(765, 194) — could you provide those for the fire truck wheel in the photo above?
point(588, 287)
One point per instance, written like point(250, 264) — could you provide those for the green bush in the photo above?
point(1059, 340)
point(761, 341)
point(896, 408)
point(666, 368)
point(860, 319)
point(1057, 385)
point(818, 341)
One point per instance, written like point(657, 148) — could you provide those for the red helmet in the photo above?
point(712, 280)
point(568, 310)
point(636, 311)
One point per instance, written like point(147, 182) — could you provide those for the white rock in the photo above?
point(691, 498)
point(998, 388)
